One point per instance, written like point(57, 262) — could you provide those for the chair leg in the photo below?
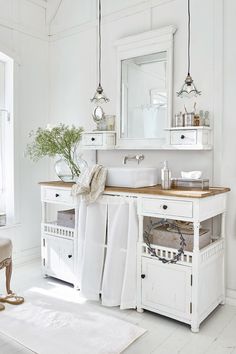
point(8, 278)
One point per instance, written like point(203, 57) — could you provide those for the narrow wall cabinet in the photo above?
point(58, 243)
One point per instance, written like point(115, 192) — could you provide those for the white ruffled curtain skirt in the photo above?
point(107, 243)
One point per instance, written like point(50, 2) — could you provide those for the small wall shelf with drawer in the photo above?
point(98, 140)
point(189, 138)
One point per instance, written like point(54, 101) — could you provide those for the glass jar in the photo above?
point(110, 122)
point(64, 170)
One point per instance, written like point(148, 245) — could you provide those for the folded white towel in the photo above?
point(91, 183)
point(191, 174)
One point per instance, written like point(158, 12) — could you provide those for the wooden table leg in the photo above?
point(8, 278)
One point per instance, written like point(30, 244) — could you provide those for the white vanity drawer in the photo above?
point(183, 137)
point(57, 195)
point(90, 139)
point(167, 207)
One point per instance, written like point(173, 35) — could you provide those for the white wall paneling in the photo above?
point(23, 36)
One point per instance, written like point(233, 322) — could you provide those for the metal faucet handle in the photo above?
point(138, 158)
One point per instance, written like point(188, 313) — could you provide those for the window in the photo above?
point(6, 137)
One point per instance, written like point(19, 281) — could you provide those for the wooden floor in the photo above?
point(164, 336)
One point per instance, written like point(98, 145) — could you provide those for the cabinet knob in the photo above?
point(143, 276)
point(165, 207)
point(57, 195)
point(93, 139)
point(182, 137)
point(69, 255)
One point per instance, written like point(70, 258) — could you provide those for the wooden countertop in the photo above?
point(156, 190)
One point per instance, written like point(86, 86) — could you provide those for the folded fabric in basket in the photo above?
point(91, 183)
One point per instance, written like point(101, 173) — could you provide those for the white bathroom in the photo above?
point(117, 177)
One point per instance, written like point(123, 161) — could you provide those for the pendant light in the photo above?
point(188, 89)
point(99, 96)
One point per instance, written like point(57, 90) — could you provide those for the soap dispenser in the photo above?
point(165, 177)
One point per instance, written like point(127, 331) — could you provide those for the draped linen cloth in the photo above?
point(107, 241)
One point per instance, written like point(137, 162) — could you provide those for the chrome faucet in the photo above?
point(138, 158)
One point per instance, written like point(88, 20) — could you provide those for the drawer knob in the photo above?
point(93, 139)
point(57, 195)
point(143, 276)
point(69, 255)
point(165, 207)
point(182, 136)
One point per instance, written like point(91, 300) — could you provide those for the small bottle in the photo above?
point(165, 177)
point(196, 120)
point(206, 119)
point(179, 122)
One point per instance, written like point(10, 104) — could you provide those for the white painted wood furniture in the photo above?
point(150, 42)
point(192, 288)
point(189, 138)
point(58, 243)
point(187, 291)
point(98, 140)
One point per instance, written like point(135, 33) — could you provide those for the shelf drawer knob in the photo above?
point(57, 195)
point(69, 255)
point(143, 276)
point(165, 207)
point(182, 136)
point(93, 139)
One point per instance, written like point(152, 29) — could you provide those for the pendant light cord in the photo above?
point(99, 41)
point(189, 25)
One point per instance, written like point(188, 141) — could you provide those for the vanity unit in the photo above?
point(187, 291)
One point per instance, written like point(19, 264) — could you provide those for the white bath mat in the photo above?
point(47, 324)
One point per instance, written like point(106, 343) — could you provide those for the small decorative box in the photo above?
point(187, 183)
point(66, 218)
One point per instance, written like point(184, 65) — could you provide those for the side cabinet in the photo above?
point(166, 288)
point(58, 243)
point(191, 288)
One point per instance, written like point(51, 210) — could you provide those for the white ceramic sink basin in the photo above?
point(132, 177)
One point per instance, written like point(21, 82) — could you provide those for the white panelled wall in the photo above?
point(57, 76)
point(23, 36)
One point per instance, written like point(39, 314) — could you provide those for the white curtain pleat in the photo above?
point(129, 289)
point(91, 241)
point(119, 279)
point(116, 219)
point(118, 215)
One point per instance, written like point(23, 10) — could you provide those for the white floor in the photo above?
point(164, 336)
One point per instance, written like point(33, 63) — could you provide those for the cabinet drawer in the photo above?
point(167, 207)
point(183, 137)
point(57, 195)
point(92, 139)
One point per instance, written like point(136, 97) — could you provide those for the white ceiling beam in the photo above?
point(52, 10)
point(41, 3)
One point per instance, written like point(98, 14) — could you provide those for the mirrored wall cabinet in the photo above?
point(144, 99)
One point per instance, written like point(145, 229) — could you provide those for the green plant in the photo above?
point(59, 140)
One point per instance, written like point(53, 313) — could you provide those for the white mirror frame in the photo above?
point(160, 40)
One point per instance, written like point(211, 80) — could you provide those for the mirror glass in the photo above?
point(144, 96)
